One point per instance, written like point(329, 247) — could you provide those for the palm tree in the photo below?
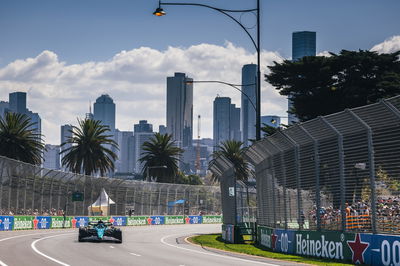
point(160, 158)
point(18, 139)
point(233, 151)
point(91, 148)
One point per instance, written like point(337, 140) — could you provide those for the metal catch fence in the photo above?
point(337, 172)
point(31, 190)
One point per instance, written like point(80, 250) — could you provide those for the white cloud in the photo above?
point(390, 45)
point(136, 80)
point(324, 53)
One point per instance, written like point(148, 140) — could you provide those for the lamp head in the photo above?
point(159, 12)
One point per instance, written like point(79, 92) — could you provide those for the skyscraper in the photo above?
point(143, 126)
point(248, 113)
point(162, 129)
point(104, 110)
point(303, 44)
point(52, 157)
point(180, 109)
point(66, 133)
point(222, 120)
point(142, 132)
point(226, 120)
point(17, 104)
point(125, 162)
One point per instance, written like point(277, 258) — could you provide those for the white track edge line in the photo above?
point(44, 255)
point(212, 254)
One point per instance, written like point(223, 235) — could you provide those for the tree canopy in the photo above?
point(160, 158)
point(91, 149)
point(321, 85)
point(18, 139)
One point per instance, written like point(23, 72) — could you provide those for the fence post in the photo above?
point(298, 181)
point(341, 172)
point(317, 180)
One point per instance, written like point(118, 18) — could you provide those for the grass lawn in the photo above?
point(215, 241)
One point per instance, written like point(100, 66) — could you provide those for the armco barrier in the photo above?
point(357, 248)
point(8, 223)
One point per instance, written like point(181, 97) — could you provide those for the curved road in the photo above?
point(147, 245)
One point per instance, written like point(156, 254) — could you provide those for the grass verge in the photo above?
point(215, 241)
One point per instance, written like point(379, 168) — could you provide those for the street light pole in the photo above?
point(160, 12)
point(235, 86)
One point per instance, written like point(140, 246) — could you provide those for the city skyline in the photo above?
point(104, 50)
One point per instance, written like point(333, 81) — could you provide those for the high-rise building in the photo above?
point(66, 133)
point(143, 126)
point(235, 123)
point(180, 109)
point(303, 44)
point(222, 120)
point(142, 132)
point(125, 161)
point(226, 124)
point(4, 107)
point(139, 139)
point(17, 104)
point(104, 110)
point(162, 129)
point(52, 157)
point(248, 112)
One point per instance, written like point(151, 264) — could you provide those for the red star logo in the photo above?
point(35, 223)
point(73, 221)
point(149, 220)
point(187, 220)
point(111, 220)
point(358, 248)
point(1, 221)
point(274, 238)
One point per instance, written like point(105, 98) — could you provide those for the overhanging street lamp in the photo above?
point(235, 86)
point(256, 42)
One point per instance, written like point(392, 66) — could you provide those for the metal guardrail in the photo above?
point(31, 190)
point(337, 172)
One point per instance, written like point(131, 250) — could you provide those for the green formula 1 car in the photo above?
point(99, 231)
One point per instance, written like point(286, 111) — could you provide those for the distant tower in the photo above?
point(17, 104)
point(66, 133)
point(142, 132)
point(104, 110)
point(303, 44)
point(90, 114)
point(248, 113)
point(180, 109)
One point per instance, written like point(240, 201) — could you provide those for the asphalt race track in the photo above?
point(147, 245)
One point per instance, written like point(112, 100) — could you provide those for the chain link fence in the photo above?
point(337, 172)
point(31, 190)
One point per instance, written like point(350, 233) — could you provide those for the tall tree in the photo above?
point(91, 148)
point(233, 150)
point(18, 140)
point(324, 85)
point(161, 158)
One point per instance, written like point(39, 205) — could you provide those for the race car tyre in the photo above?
point(118, 235)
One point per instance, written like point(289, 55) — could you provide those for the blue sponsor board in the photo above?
point(6, 223)
point(42, 222)
point(383, 250)
point(119, 220)
point(194, 219)
point(157, 220)
point(81, 221)
point(284, 241)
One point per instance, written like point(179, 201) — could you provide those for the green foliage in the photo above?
point(160, 150)
point(233, 151)
point(181, 178)
point(324, 85)
point(268, 130)
point(91, 148)
point(18, 140)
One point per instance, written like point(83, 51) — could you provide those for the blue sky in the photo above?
point(69, 52)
